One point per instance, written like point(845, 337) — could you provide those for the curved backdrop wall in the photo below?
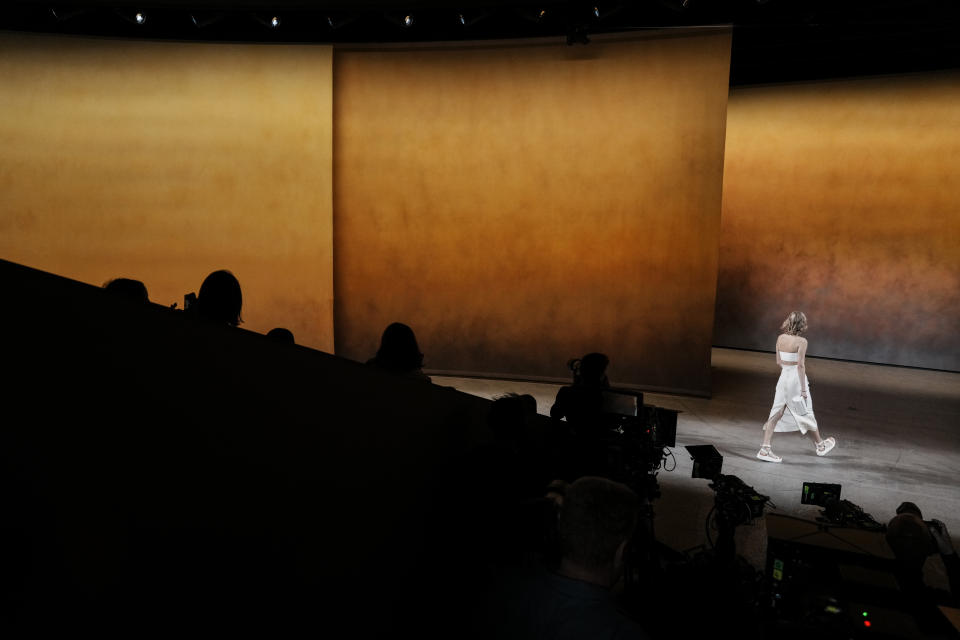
point(841, 199)
point(519, 205)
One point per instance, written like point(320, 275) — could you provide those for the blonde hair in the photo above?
point(795, 324)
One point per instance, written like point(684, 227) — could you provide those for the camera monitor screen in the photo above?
point(820, 493)
point(621, 404)
point(707, 461)
point(663, 422)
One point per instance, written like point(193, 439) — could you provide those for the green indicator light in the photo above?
point(864, 614)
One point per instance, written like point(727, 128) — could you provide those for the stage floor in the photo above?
point(897, 431)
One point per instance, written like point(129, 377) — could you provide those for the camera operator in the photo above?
point(581, 404)
point(913, 540)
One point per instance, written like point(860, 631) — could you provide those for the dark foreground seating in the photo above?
point(161, 475)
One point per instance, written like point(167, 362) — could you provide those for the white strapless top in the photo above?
point(787, 356)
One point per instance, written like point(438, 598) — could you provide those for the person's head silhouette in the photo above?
point(596, 521)
point(398, 349)
point(220, 298)
point(511, 414)
point(590, 370)
point(909, 536)
point(280, 334)
point(132, 290)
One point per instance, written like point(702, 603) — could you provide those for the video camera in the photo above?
point(627, 415)
point(636, 437)
point(836, 511)
point(744, 501)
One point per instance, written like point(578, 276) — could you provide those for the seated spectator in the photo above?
point(513, 421)
point(132, 290)
point(399, 353)
point(220, 299)
point(497, 484)
point(510, 417)
point(279, 334)
point(912, 541)
point(596, 521)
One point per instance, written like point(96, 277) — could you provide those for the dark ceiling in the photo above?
point(773, 40)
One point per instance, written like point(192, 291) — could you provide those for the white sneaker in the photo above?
point(766, 454)
point(825, 446)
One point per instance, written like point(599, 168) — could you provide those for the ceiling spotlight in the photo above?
point(138, 18)
point(267, 20)
point(336, 20)
point(402, 20)
point(469, 18)
point(201, 20)
point(65, 14)
point(534, 15)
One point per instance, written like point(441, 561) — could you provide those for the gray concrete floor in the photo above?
point(897, 431)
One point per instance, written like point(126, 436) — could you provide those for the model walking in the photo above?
point(793, 405)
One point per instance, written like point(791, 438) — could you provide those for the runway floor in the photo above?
point(897, 429)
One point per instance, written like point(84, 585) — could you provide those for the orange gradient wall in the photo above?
point(165, 161)
point(519, 205)
point(842, 199)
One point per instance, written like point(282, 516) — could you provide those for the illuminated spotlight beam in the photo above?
point(138, 17)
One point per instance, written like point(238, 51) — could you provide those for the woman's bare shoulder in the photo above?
point(788, 342)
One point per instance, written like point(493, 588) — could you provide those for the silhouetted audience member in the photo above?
point(581, 404)
point(513, 422)
point(510, 417)
point(913, 540)
point(596, 521)
point(220, 298)
point(279, 334)
point(399, 353)
point(132, 290)
point(502, 484)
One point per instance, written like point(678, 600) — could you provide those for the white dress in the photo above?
point(788, 386)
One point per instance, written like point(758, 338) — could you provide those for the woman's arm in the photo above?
point(776, 352)
point(801, 367)
point(559, 408)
